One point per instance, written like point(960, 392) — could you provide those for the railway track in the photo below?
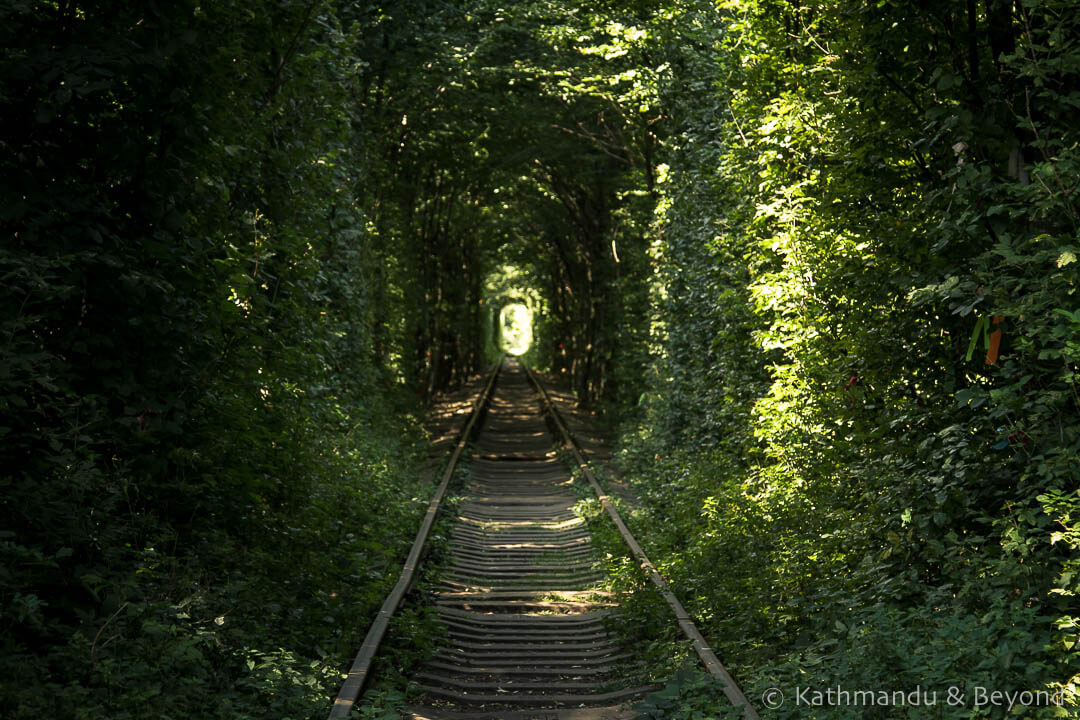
point(519, 595)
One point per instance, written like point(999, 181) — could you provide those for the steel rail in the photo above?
point(701, 646)
point(354, 681)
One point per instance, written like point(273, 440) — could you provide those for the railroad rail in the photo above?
point(520, 594)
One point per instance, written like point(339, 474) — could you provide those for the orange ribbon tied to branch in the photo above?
point(991, 339)
point(995, 341)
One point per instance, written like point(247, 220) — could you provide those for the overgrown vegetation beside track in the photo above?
point(843, 487)
point(210, 442)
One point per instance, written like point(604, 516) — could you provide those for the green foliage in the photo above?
point(381, 705)
point(691, 694)
point(850, 194)
point(208, 470)
point(240, 241)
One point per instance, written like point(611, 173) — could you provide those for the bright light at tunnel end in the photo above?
point(515, 329)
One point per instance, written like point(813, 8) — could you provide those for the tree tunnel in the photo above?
point(243, 244)
point(510, 153)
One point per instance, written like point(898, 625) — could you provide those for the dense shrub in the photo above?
point(208, 472)
point(846, 491)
